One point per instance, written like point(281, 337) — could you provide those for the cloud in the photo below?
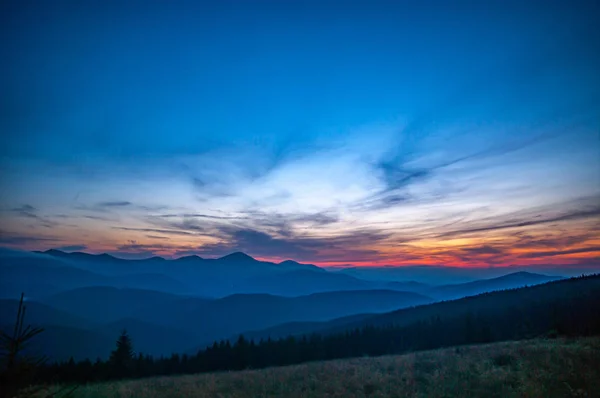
point(28, 211)
point(569, 216)
point(23, 240)
point(122, 203)
point(97, 218)
point(133, 246)
point(561, 252)
point(321, 218)
point(482, 250)
point(559, 239)
point(161, 231)
point(156, 237)
point(105, 206)
point(24, 208)
point(200, 215)
point(353, 245)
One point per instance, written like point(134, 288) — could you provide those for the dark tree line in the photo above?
point(574, 311)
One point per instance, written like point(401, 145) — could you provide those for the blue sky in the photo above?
point(330, 132)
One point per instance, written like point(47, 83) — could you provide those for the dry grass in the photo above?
point(536, 368)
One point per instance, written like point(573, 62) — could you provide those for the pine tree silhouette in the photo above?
point(17, 370)
point(121, 359)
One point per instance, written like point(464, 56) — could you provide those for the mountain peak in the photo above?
point(523, 274)
point(237, 256)
point(192, 257)
point(52, 251)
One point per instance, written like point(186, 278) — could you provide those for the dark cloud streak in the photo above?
point(162, 231)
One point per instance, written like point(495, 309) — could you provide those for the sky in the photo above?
point(358, 132)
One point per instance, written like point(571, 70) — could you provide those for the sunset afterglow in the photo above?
point(142, 136)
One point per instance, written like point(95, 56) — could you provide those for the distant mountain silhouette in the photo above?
point(441, 275)
point(302, 282)
point(207, 319)
point(294, 265)
point(524, 300)
point(408, 286)
point(184, 322)
point(39, 314)
point(39, 278)
point(234, 273)
point(237, 257)
point(510, 281)
point(199, 300)
point(108, 304)
point(299, 328)
point(48, 276)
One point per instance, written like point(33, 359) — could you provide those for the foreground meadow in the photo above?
point(534, 368)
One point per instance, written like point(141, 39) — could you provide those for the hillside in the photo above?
point(39, 314)
point(235, 314)
point(535, 308)
point(509, 281)
point(543, 301)
point(179, 323)
point(565, 308)
point(535, 368)
point(108, 304)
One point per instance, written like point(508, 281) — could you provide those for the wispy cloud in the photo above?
point(482, 250)
point(32, 213)
point(6, 239)
point(162, 231)
point(121, 203)
point(538, 220)
point(595, 249)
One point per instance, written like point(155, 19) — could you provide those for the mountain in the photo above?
point(441, 275)
point(408, 286)
point(236, 258)
point(190, 275)
point(108, 304)
point(37, 278)
point(38, 314)
point(53, 271)
point(258, 311)
point(299, 328)
point(526, 306)
point(302, 282)
point(294, 265)
point(40, 277)
point(161, 323)
point(432, 275)
point(510, 281)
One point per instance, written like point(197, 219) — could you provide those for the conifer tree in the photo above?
point(121, 359)
point(17, 370)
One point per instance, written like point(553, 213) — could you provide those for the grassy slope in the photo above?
point(533, 368)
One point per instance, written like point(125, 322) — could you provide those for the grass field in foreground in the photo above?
point(534, 368)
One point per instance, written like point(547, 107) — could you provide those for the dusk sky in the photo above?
point(355, 132)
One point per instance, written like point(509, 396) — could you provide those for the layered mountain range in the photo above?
point(84, 301)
